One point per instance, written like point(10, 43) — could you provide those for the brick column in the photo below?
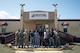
point(55, 17)
point(21, 16)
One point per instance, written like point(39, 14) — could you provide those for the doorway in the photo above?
point(38, 27)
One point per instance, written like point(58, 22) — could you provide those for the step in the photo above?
point(38, 51)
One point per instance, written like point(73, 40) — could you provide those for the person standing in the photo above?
point(17, 33)
point(56, 38)
point(26, 38)
point(31, 38)
point(51, 39)
point(21, 39)
point(36, 38)
point(41, 37)
point(46, 41)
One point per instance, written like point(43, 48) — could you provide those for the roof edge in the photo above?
point(38, 11)
point(9, 19)
point(58, 19)
point(68, 19)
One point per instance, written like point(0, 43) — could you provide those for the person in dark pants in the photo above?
point(32, 38)
point(41, 37)
point(46, 39)
point(56, 38)
point(21, 39)
point(51, 39)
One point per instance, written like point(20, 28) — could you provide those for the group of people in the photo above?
point(37, 38)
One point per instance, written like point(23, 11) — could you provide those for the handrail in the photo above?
point(5, 33)
point(65, 33)
point(67, 37)
point(7, 38)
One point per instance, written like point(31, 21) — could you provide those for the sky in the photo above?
point(66, 9)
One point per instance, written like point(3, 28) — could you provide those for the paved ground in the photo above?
point(76, 49)
point(4, 49)
point(39, 52)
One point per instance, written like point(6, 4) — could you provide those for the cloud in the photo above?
point(6, 15)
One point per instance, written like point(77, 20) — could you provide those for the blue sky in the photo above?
point(67, 9)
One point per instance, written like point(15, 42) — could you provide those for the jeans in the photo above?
point(57, 42)
point(32, 41)
point(36, 42)
point(51, 42)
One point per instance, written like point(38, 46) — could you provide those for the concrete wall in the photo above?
point(32, 24)
point(73, 28)
point(12, 26)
